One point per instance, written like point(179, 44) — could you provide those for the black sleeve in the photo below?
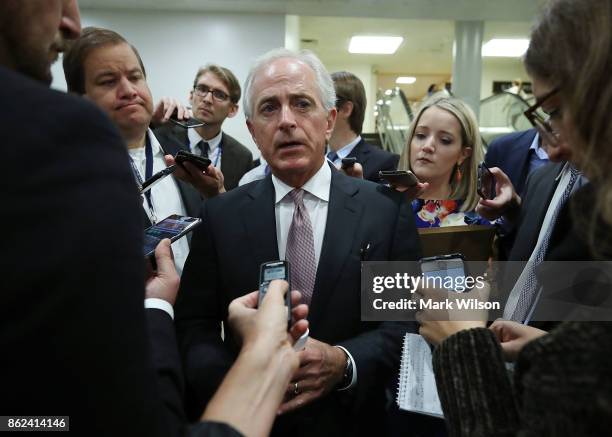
point(474, 387)
point(72, 315)
point(213, 429)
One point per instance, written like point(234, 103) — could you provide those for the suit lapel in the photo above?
point(344, 213)
point(260, 221)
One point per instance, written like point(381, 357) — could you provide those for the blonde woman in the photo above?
point(443, 151)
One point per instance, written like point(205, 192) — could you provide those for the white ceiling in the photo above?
point(516, 10)
point(426, 25)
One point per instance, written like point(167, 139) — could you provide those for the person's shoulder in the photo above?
point(514, 138)
point(367, 190)
point(237, 196)
point(229, 141)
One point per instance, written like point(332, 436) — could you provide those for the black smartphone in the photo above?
point(485, 186)
point(172, 227)
point(404, 178)
point(200, 162)
point(267, 273)
point(444, 267)
point(157, 177)
point(190, 123)
point(348, 162)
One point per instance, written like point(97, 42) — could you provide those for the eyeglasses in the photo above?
point(218, 95)
point(541, 118)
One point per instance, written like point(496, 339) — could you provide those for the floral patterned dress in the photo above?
point(439, 213)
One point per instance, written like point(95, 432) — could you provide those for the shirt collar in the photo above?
point(195, 138)
point(155, 146)
point(346, 150)
point(535, 146)
point(318, 185)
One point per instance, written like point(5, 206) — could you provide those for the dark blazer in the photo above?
point(539, 190)
point(511, 154)
point(373, 159)
point(239, 233)
point(236, 159)
point(77, 340)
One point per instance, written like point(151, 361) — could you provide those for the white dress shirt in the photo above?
point(345, 151)
point(316, 202)
point(214, 152)
point(165, 196)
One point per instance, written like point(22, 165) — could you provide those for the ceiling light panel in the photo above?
point(375, 45)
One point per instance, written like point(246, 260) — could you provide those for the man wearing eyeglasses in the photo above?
point(214, 98)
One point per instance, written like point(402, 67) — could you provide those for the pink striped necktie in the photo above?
point(300, 248)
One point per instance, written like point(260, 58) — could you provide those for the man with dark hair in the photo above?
point(105, 68)
point(214, 97)
point(346, 141)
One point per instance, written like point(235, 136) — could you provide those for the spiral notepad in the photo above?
point(417, 390)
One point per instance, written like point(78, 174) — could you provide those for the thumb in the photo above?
point(164, 258)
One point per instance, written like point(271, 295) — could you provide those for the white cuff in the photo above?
point(160, 304)
point(354, 378)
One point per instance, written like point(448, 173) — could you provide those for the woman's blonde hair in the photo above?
point(470, 137)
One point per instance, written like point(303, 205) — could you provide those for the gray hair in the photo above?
point(324, 81)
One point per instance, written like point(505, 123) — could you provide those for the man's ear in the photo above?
point(346, 110)
point(233, 110)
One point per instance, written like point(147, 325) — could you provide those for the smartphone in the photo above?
point(348, 162)
point(445, 267)
point(267, 273)
point(172, 227)
point(199, 161)
point(485, 186)
point(157, 177)
point(190, 123)
point(404, 178)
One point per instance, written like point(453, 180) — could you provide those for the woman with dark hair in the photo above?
point(563, 380)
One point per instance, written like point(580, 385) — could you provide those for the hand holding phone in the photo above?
point(200, 162)
point(348, 162)
point(403, 178)
point(190, 123)
point(445, 266)
point(267, 273)
point(486, 182)
point(172, 227)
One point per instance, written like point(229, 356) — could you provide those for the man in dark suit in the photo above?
point(105, 68)
point(72, 315)
point(518, 155)
point(323, 223)
point(346, 141)
point(214, 97)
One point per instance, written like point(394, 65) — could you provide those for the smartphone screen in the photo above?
point(172, 227)
point(448, 268)
point(270, 271)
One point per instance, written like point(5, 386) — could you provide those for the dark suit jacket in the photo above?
point(236, 159)
point(373, 159)
point(73, 329)
point(511, 154)
point(239, 233)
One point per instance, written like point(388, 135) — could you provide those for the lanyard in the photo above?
point(148, 173)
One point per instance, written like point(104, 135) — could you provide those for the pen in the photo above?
point(364, 251)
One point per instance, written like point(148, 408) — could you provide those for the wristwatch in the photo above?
point(347, 377)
